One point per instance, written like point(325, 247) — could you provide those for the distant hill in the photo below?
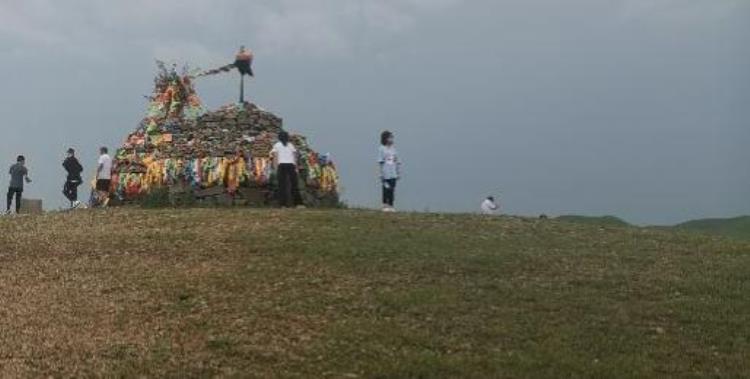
point(737, 227)
point(593, 220)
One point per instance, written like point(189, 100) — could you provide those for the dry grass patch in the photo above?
point(264, 293)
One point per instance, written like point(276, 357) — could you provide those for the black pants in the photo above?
point(288, 185)
point(17, 192)
point(70, 189)
point(389, 191)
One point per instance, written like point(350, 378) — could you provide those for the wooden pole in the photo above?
point(242, 88)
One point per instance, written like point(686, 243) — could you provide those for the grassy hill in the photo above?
point(593, 220)
point(738, 227)
point(266, 293)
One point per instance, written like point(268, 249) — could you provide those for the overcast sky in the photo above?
point(637, 108)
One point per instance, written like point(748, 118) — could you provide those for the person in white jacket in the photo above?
point(489, 207)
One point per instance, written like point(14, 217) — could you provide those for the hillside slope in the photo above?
point(737, 227)
point(593, 220)
point(267, 293)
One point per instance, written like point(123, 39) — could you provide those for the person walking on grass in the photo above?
point(18, 175)
point(103, 176)
point(74, 169)
point(389, 168)
point(285, 158)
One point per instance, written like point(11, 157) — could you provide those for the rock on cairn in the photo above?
point(219, 157)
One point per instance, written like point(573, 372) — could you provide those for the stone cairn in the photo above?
point(215, 157)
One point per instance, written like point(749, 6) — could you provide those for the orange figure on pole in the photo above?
point(244, 63)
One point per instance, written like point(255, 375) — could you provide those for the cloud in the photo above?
point(336, 26)
point(21, 20)
point(199, 55)
point(285, 26)
point(303, 29)
point(683, 12)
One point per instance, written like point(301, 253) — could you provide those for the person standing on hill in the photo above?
point(390, 169)
point(103, 176)
point(74, 169)
point(285, 158)
point(18, 175)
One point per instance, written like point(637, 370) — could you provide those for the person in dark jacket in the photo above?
point(74, 169)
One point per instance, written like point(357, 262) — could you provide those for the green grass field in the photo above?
point(346, 294)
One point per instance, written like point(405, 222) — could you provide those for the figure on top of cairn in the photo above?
point(243, 62)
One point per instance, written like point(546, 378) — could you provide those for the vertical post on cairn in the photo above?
point(243, 63)
point(242, 88)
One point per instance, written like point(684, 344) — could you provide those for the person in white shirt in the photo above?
point(285, 158)
point(390, 169)
point(489, 207)
point(103, 176)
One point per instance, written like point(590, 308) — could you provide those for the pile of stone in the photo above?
point(217, 154)
point(228, 129)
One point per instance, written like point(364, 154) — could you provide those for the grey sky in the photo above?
point(637, 108)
